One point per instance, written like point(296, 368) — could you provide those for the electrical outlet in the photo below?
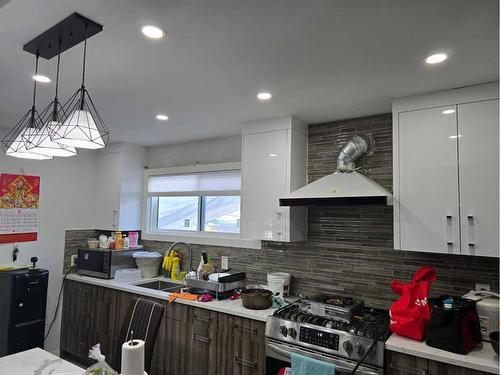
point(483, 287)
point(74, 260)
point(224, 262)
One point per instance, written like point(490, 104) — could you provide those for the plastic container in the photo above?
point(133, 239)
point(128, 275)
point(148, 262)
point(279, 282)
point(93, 243)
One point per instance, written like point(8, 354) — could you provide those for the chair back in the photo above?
point(143, 320)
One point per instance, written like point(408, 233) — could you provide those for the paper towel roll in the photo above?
point(133, 357)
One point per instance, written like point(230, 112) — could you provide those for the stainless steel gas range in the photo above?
point(335, 329)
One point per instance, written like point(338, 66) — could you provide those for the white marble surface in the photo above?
point(37, 362)
point(482, 358)
point(226, 306)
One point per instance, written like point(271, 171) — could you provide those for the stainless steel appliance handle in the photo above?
point(348, 367)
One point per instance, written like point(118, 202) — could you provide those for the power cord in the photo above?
point(58, 303)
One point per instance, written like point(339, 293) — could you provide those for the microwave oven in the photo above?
point(103, 263)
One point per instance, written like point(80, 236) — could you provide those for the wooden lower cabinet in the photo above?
point(190, 340)
point(404, 364)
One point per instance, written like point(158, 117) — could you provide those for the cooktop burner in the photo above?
point(334, 306)
point(371, 323)
point(335, 300)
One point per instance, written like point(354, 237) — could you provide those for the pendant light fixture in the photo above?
point(16, 141)
point(83, 126)
point(52, 117)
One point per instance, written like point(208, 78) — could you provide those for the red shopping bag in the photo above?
point(411, 313)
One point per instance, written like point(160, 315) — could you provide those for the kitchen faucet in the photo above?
point(188, 247)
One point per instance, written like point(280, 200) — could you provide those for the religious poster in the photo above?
point(19, 199)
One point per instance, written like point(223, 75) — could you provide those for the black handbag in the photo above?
point(455, 329)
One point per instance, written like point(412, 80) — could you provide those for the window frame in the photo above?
point(150, 213)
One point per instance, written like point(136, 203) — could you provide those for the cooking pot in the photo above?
point(257, 298)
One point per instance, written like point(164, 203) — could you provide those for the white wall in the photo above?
point(67, 190)
point(209, 151)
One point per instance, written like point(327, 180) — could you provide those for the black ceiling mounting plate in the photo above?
point(71, 31)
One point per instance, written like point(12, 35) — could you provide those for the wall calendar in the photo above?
point(19, 200)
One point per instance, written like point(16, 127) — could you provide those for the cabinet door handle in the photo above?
point(449, 230)
point(244, 362)
point(203, 339)
point(471, 232)
point(245, 330)
point(201, 318)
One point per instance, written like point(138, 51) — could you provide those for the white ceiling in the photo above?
point(322, 59)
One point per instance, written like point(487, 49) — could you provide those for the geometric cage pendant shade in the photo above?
point(15, 142)
point(83, 126)
point(41, 141)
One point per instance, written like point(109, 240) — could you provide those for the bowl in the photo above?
point(494, 340)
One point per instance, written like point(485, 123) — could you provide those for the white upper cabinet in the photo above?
point(479, 190)
point(273, 164)
point(446, 191)
point(428, 175)
point(119, 183)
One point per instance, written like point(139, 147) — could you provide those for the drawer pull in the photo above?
point(202, 318)
point(202, 339)
point(245, 330)
point(245, 363)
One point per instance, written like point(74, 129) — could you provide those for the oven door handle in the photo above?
point(360, 371)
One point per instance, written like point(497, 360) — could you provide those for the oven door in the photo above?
point(278, 356)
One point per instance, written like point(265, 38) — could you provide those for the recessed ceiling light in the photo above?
point(162, 117)
point(41, 78)
point(273, 155)
point(448, 111)
point(436, 58)
point(264, 96)
point(455, 136)
point(153, 32)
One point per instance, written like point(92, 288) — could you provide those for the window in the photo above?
point(195, 202)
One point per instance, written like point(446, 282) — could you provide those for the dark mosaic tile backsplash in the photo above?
point(349, 249)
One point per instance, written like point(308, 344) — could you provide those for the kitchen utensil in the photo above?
point(494, 340)
point(257, 299)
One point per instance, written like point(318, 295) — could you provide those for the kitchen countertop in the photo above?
point(37, 362)
point(483, 359)
point(225, 306)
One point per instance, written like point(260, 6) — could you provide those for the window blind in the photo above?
point(226, 182)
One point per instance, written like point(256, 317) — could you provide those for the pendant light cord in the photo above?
point(55, 116)
point(82, 99)
point(34, 83)
point(84, 56)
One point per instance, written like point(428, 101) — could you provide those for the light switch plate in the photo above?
point(483, 287)
point(224, 262)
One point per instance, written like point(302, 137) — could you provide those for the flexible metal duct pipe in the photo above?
point(353, 150)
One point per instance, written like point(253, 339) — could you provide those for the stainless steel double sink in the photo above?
point(164, 286)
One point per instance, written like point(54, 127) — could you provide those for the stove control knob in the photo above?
point(284, 330)
point(292, 332)
point(360, 349)
point(347, 347)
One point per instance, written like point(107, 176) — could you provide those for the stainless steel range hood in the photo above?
point(345, 186)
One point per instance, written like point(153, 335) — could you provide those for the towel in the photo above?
point(302, 365)
point(187, 296)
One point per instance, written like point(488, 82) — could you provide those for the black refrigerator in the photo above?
point(23, 299)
